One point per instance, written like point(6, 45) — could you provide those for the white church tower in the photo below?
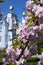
point(12, 20)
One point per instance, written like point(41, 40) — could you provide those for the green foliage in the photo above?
point(30, 23)
point(1, 56)
point(33, 59)
point(35, 1)
point(16, 44)
point(28, 15)
point(32, 63)
point(16, 37)
point(41, 49)
point(40, 46)
point(12, 64)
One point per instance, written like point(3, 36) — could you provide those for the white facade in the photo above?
point(3, 34)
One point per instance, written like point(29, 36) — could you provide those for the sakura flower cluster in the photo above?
point(30, 33)
point(13, 54)
point(36, 9)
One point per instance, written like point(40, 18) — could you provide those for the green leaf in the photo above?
point(12, 63)
point(1, 55)
point(33, 59)
point(35, 1)
point(41, 49)
point(16, 37)
point(34, 42)
point(32, 63)
point(30, 22)
point(16, 44)
point(40, 46)
point(28, 15)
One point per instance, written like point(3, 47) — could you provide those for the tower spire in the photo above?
point(11, 7)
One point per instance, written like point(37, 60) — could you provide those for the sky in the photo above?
point(19, 7)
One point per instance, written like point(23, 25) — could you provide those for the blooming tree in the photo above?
point(29, 39)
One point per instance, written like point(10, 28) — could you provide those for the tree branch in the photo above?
point(22, 51)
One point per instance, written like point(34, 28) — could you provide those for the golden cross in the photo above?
point(2, 1)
